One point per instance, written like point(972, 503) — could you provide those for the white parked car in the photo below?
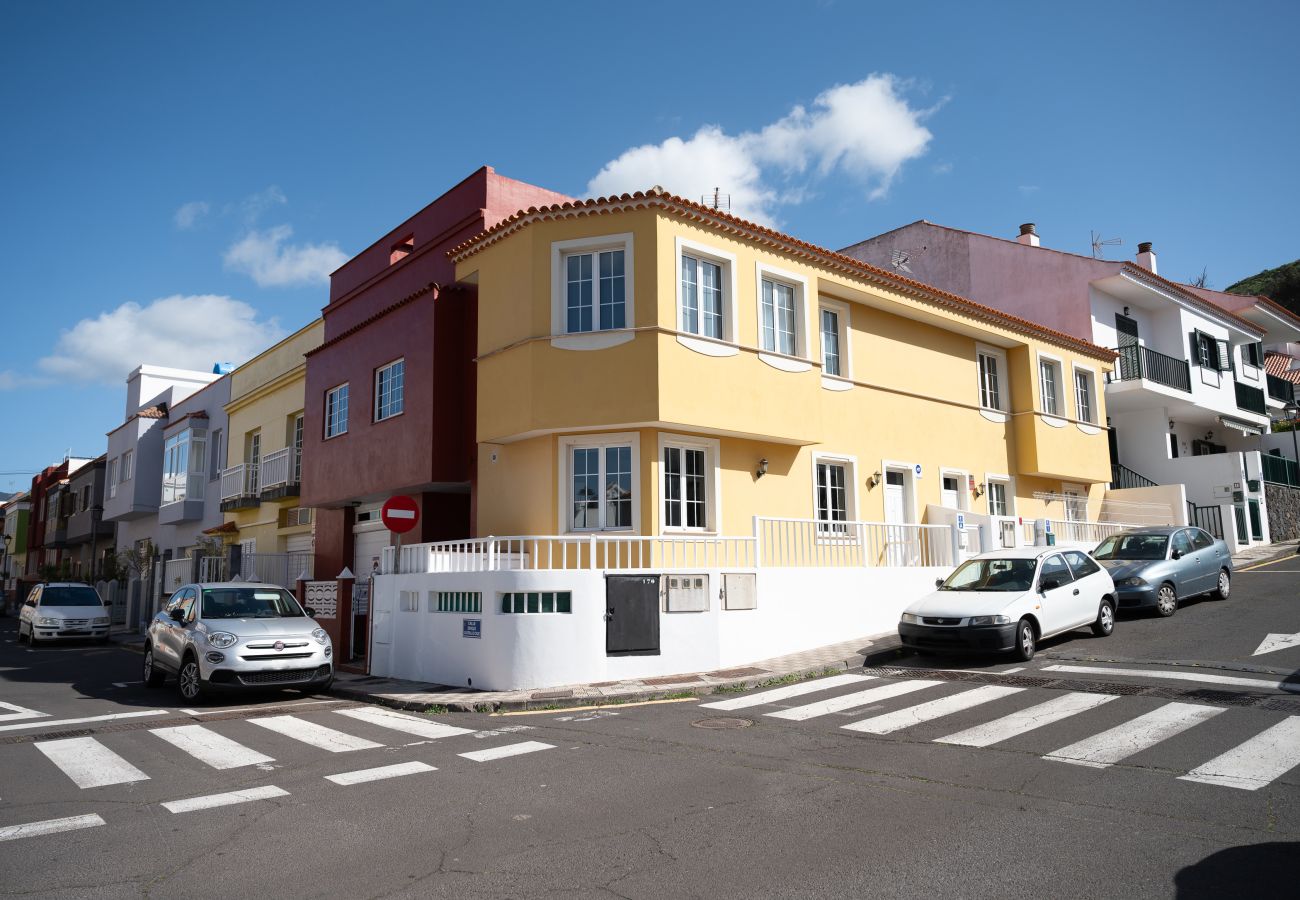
point(1009, 600)
point(61, 611)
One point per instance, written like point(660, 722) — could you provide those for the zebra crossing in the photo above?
point(95, 763)
point(990, 720)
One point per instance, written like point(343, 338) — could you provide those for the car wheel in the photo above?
point(1166, 601)
point(152, 675)
point(31, 635)
point(190, 681)
point(1224, 586)
point(20, 632)
point(1105, 623)
point(1026, 642)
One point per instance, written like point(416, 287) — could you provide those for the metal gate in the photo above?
point(632, 615)
point(1208, 517)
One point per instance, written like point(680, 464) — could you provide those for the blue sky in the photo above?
point(223, 158)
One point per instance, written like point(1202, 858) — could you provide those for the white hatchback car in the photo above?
point(62, 611)
point(1009, 600)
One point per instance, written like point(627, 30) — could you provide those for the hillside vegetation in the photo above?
point(1281, 285)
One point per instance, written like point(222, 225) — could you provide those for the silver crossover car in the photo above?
point(1155, 568)
point(63, 610)
point(216, 636)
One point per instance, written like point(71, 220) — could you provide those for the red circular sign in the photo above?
point(400, 514)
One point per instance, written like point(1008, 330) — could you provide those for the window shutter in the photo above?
point(1196, 349)
point(1225, 356)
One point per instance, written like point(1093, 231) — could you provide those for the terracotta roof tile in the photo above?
point(1281, 365)
point(657, 197)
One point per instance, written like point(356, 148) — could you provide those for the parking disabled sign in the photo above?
point(471, 628)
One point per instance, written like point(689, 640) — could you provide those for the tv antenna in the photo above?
point(717, 200)
point(1098, 242)
point(900, 258)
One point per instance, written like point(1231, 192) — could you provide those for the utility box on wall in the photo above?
point(686, 593)
point(739, 590)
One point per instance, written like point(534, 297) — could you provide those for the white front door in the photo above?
point(902, 546)
point(950, 495)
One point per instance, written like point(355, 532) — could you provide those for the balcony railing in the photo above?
point(1123, 477)
point(1279, 469)
point(1250, 398)
point(1139, 362)
point(278, 468)
point(1281, 389)
point(239, 481)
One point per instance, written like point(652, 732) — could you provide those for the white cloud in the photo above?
point(189, 214)
point(867, 131)
point(271, 262)
point(943, 168)
point(187, 332)
point(254, 205)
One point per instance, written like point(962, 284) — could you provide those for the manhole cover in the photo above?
point(722, 722)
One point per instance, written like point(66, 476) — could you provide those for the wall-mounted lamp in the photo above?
point(1126, 310)
point(1171, 424)
point(979, 489)
point(762, 468)
point(873, 479)
point(1209, 434)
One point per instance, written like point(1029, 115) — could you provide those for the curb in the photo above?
point(885, 651)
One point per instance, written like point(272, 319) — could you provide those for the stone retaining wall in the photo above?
point(1283, 511)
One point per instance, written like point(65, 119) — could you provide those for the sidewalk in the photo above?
point(418, 696)
point(1254, 555)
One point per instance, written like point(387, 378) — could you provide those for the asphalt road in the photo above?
point(961, 778)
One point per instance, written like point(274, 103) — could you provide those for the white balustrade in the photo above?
point(277, 468)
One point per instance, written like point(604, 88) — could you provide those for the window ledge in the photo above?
point(836, 383)
point(994, 415)
point(1088, 429)
point(592, 340)
point(1054, 421)
point(785, 363)
point(707, 346)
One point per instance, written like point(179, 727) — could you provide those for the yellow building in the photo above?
point(650, 366)
point(261, 482)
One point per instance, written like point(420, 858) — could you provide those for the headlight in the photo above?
point(321, 637)
point(49, 620)
point(1133, 582)
point(102, 620)
point(222, 639)
point(911, 619)
point(990, 620)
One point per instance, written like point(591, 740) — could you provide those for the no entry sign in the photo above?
point(400, 514)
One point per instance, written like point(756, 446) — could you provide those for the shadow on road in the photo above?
point(1258, 871)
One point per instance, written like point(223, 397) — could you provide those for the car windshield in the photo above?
point(991, 575)
point(249, 603)
point(1133, 546)
point(70, 596)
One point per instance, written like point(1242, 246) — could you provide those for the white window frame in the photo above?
point(1010, 483)
point(1091, 374)
point(399, 394)
point(698, 341)
point(600, 442)
point(999, 412)
point(127, 470)
point(799, 361)
point(595, 339)
point(330, 393)
point(963, 486)
point(1059, 393)
point(111, 480)
point(843, 322)
point(195, 442)
point(825, 527)
point(712, 483)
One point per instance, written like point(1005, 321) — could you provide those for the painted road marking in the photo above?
point(852, 701)
point(49, 723)
point(49, 826)
point(1176, 676)
point(507, 750)
point(1018, 723)
point(1122, 741)
point(793, 690)
point(924, 712)
point(1255, 763)
point(363, 775)
point(1270, 644)
point(387, 718)
point(214, 800)
point(207, 746)
point(257, 708)
point(19, 712)
point(89, 763)
point(316, 735)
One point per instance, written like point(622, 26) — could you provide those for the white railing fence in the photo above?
point(176, 572)
point(810, 542)
point(546, 552)
point(1077, 532)
point(277, 468)
point(282, 569)
point(239, 481)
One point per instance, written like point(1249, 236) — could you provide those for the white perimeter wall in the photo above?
point(798, 609)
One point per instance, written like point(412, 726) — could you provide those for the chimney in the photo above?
point(1147, 257)
point(1028, 235)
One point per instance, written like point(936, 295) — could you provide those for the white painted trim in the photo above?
point(800, 285)
point(831, 383)
point(1010, 482)
point(909, 486)
point(850, 463)
point(559, 250)
point(707, 346)
point(1054, 421)
point(592, 340)
point(785, 363)
point(963, 485)
point(1063, 401)
point(712, 484)
point(842, 311)
point(730, 298)
point(599, 441)
point(993, 415)
point(374, 409)
point(998, 413)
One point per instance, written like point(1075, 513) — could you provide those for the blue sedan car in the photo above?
point(1155, 568)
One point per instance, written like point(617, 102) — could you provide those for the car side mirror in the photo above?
point(108, 602)
point(311, 613)
point(938, 582)
point(1049, 584)
point(1176, 554)
point(177, 615)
